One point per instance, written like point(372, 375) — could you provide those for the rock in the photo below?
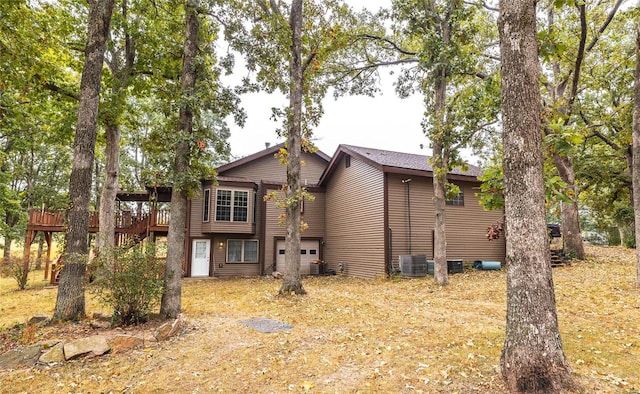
point(39, 320)
point(100, 324)
point(276, 275)
point(48, 344)
point(53, 355)
point(23, 357)
point(101, 316)
point(123, 343)
point(170, 329)
point(92, 346)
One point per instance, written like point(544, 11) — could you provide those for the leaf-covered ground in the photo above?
point(350, 336)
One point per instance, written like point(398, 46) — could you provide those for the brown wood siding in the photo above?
point(467, 229)
point(213, 226)
point(195, 224)
point(313, 215)
point(422, 216)
point(355, 220)
point(223, 269)
point(269, 168)
point(466, 225)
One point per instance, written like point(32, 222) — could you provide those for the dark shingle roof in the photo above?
point(408, 161)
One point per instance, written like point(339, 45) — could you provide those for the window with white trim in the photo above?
point(242, 251)
point(205, 204)
point(232, 206)
point(457, 200)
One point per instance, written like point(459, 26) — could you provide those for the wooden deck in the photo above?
point(130, 228)
point(126, 221)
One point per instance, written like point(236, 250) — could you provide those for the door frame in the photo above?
point(193, 256)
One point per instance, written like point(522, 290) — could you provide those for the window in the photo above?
point(232, 206)
point(205, 205)
point(242, 251)
point(347, 161)
point(457, 200)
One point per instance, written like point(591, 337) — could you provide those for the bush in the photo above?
point(15, 269)
point(130, 282)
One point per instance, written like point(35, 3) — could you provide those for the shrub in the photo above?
point(15, 269)
point(130, 282)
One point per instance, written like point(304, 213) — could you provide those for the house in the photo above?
point(233, 231)
point(370, 207)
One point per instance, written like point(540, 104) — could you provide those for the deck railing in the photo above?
point(124, 219)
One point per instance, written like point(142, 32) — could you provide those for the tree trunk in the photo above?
point(440, 232)
point(70, 300)
point(571, 234)
point(170, 305)
point(532, 357)
point(636, 152)
point(7, 248)
point(105, 240)
point(292, 282)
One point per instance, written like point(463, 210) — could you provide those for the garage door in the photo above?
point(309, 251)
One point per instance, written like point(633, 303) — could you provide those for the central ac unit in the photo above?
point(413, 265)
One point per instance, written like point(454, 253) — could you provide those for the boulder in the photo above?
point(170, 329)
point(18, 358)
point(53, 355)
point(39, 320)
point(92, 346)
point(123, 343)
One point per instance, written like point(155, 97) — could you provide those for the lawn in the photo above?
point(351, 336)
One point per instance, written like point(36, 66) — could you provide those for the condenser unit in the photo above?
point(413, 265)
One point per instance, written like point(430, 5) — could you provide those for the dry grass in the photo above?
point(355, 335)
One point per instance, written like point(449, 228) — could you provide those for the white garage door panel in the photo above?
point(309, 251)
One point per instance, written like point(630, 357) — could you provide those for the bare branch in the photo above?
point(579, 56)
point(472, 134)
point(388, 41)
point(604, 25)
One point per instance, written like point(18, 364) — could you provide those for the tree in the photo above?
point(448, 49)
point(562, 87)
point(532, 357)
point(304, 65)
point(636, 151)
point(292, 282)
point(171, 296)
point(120, 64)
point(70, 300)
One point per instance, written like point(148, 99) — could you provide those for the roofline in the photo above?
point(265, 152)
point(342, 150)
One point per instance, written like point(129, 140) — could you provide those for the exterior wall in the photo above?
point(223, 269)
point(466, 225)
point(355, 220)
point(313, 215)
point(420, 200)
point(195, 222)
point(467, 229)
point(269, 168)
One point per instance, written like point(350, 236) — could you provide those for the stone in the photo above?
point(53, 355)
point(123, 343)
point(48, 344)
point(170, 329)
point(92, 346)
point(18, 358)
point(39, 320)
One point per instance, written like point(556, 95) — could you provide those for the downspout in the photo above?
point(407, 182)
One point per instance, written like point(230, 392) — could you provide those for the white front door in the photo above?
point(200, 257)
point(309, 251)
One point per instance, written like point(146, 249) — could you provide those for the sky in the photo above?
point(381, 122)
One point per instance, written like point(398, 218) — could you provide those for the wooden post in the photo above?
point(47, 265)
point(26, 254)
